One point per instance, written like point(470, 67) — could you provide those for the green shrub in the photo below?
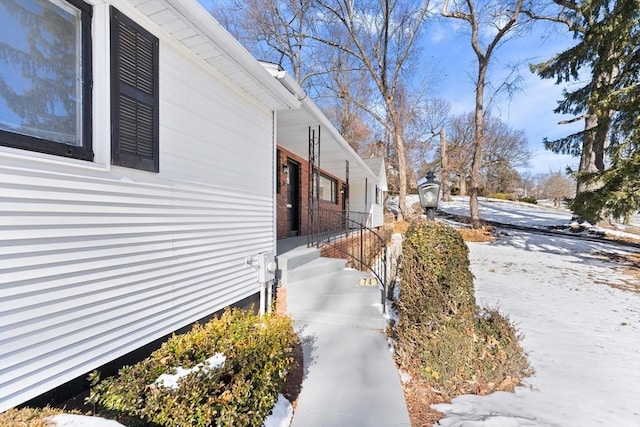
point(441, 335)
point(503, 196)
point(528, 199)
point(241, 392)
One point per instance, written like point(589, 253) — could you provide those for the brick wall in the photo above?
point(281, 196)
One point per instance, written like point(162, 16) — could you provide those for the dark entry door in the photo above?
point(293, 199)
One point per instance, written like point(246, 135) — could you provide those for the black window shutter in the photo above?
point(134, 95)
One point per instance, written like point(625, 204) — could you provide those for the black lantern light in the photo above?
point(429, 192)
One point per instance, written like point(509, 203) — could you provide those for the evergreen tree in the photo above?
point(608, 51)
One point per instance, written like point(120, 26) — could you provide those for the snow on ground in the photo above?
point(580, 315)
point(171, 380)
point(516, 213)
point(281, 416)
point(581, 334)
point(72, 420)
point(506, 212)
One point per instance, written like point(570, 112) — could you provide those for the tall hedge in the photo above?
point(441, 334)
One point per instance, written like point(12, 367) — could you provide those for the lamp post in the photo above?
point(429, 192)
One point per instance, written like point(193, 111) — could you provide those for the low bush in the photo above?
point(28, 417)
point(257, 353)
point(528, 199)
point(503, 196)
point(441, 335)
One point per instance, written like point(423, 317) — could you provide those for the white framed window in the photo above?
point(45, 76)
point(328, 189)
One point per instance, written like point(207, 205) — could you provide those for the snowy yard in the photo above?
point(581, 321)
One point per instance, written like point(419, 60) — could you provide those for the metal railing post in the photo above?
point(361, 250)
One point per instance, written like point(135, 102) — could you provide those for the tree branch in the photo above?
point(573, 120)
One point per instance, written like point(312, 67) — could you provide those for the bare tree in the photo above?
point(444, 166)
point(556, 186)
point(275, 31)
point(498, 19)
point(424, 133)
point(503, 150)
point(382, 37)
point(460, 150)
point(346, 82)
point(329, 44)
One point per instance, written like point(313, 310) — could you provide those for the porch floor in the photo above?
point(290, 243)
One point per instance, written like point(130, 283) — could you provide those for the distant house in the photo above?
point(142, 162)
point(376, 210)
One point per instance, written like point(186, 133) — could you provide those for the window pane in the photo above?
point(40, 70)
point(328, 189)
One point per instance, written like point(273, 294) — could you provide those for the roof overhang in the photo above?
point(293, 134)
point(377, 165)
point(192, 26)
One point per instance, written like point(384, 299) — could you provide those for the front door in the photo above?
point(293, 199)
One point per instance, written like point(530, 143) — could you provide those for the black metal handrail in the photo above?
point(342, 234)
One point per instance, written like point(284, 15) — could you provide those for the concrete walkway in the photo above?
point(350, 378)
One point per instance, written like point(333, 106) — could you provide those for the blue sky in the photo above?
point(453, 66)
point(530, 108)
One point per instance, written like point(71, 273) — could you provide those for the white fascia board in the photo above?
point(192, 13)
point(378, 165)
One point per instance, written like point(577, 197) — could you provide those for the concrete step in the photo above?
point(336, 298)
point(317, 267)
point(299, 257)
point(293, 259)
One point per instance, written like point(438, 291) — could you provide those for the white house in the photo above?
point(139, 170)
point(136, 177)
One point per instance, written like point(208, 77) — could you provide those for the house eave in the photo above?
point(192, 26)
point(293, 128)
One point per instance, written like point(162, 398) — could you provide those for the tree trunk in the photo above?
point(463, 184)
point(478, 143)
point(444, 166)
point(594, 142)
point(592, 156)
point(402, 173)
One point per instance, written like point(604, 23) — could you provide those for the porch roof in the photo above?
point(293, 134)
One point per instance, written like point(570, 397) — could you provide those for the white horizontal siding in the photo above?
point(91, 273)
point(221, 139)
point(96, 263)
